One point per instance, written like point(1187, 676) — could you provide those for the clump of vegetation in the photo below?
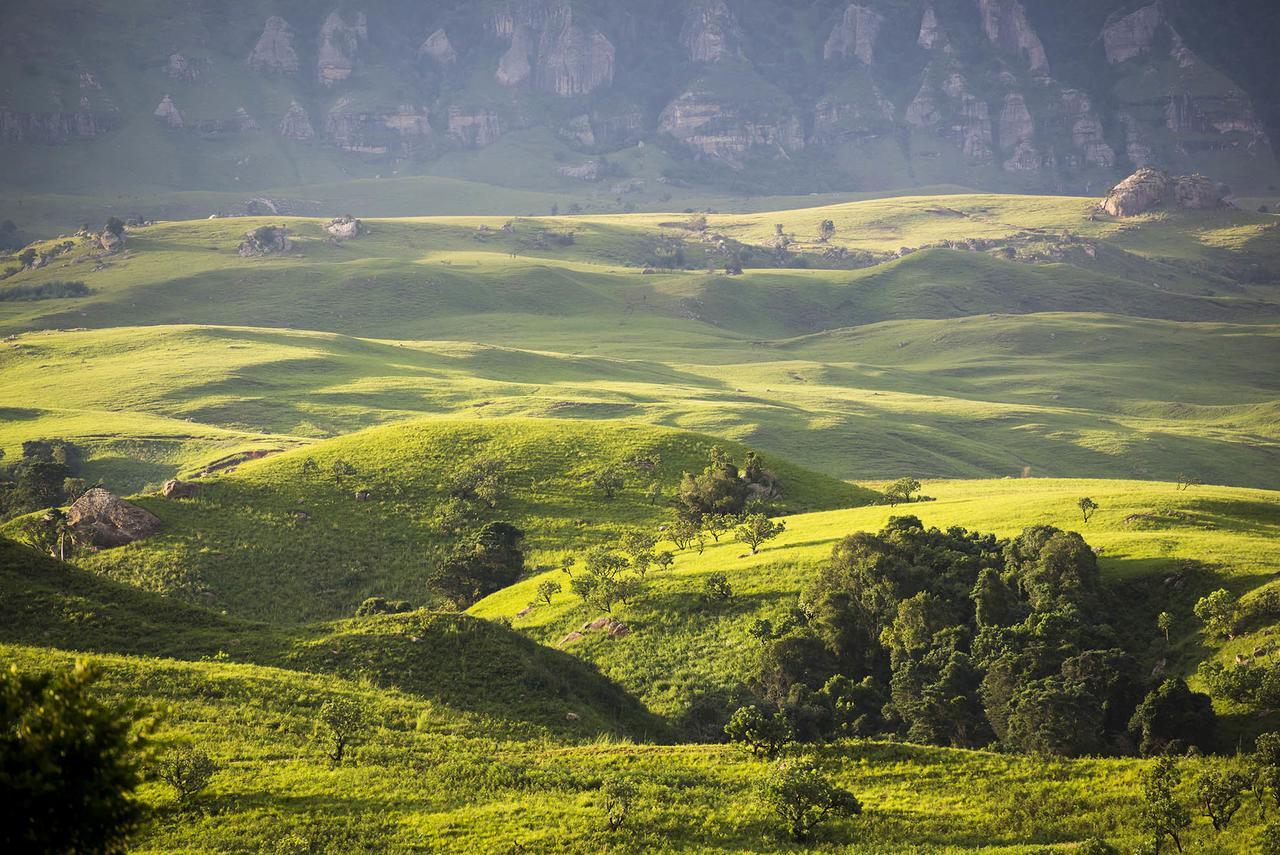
point(44, 476)
point(381, 606)
point(56, 290)
point(756, 529)
point(762, 732)
point(343, 721)
point(490, 562)
point(188, 771)
point(69, 765)
point(617, 795)
point(804, 799)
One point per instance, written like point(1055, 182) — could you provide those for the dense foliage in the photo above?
point(957, 638)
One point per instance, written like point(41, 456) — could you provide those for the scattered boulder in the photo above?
point(175, 489)
point(525, 612)
point(1148, 189)
point(111, 241)
point(570, 639)
point(106, 521)
point(265, 240)
point(609, 625)
point(344, 228)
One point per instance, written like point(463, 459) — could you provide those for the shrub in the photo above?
point(1218, 794)
point(1219, 612)
point(546, 590)
point(380, 606)
point(617, 794)
point(1162, 815)
point(1096, 846)
point(188, 771)
point(803, 798)
point(756, 529)
point(343, 721)
point(763, 734)
point(717, 588)
point(69, 765)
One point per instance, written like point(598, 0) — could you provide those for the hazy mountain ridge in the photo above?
point(831, 95)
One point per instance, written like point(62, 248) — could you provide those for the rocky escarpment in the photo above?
point(1150, 189)
point(438, 47)
point(952, 111)
point(728, 131)
point(296, 124)
point(399, 131)
point(57, 127)
point(551, 50)
point(474, 128)
point(855, 35)
point(274, 52)
point(339, 47)
point(711, 32)
point(1193, 109)
point(1006, 26)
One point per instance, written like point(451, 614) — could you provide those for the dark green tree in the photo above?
point(804, 799)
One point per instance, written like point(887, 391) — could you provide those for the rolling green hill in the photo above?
point(1048, 340)
point(324, 551)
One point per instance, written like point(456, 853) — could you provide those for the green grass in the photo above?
point(323, 552)
point(683, 648)
point(949, 363)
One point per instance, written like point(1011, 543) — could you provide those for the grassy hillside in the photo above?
point(1137, 348)
point(683, 648)
point(271, 541)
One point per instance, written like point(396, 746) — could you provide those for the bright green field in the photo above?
point(947, 363)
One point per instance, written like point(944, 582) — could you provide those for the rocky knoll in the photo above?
point(106, 521)
point(1150, 189)
point(265, 240)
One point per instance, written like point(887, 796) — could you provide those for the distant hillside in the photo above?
point(273, 541)
point(551, 98)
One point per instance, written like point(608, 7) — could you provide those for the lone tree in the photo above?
point(546, 590)
point(1087, 507)
point(617, 795)
point(69, 765)
point(803, 798)
point(717, 524)
point(342, 469)
point(1219, 611)
point(1265, 764)
point(1163, 816)
point(1164, 622)
point(756, 529)
point(1219, 794)
point(188, 771)
point(826, 231)
point(609, 480)
point(343, 720)
point(310, 468)
point(717, 588)
point(763, 734)
point(901, 490)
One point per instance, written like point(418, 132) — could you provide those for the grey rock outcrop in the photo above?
point(1006, 26)
point(344, 228)
point(296, 124)
point(855, 35)
point(339, 47)
point(711, 32)
point(274, 52)
point(722, 130)
point(106, 521)
point(1133, 35)
point(169, 114)
point(178, 67)
point(474, 128)
point(1149, 189)
point(397, 131)
point(265, 240)
point(955, 113)
point(111, 242)
point(552, 51)
point(438, 47)
point(932, 36)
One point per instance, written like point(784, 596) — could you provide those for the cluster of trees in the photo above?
point(957, 638)
point(611, 574)
point(481, 565)
point(44, 476)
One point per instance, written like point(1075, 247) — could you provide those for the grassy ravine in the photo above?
point(268, 542)
point(947, 362)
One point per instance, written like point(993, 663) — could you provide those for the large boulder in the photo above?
point(344, 228)
point(107, 521)
point(265, 240)
point(1149, 189)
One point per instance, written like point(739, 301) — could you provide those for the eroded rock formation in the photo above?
point(106, 521)
point(274, 53)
